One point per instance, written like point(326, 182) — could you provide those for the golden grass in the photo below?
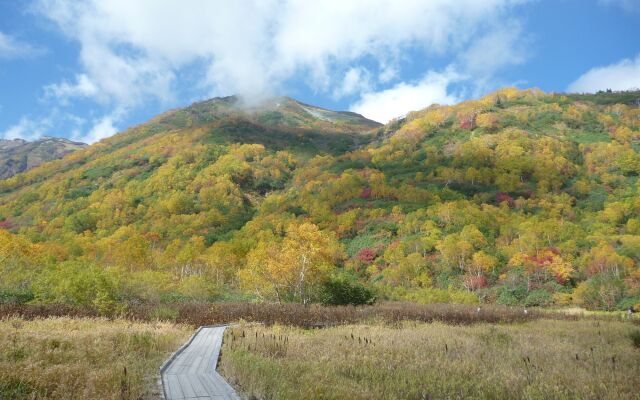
point(542, 359)
point(66, 358)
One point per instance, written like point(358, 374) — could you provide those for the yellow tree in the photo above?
point(289, 269)
point(134, 253)
point(482, 263)
point(18, 260)
point(544, 265)
point(261, 274)
point(307, 256)
point(221, 261)
point(188, 257)
point(487, 120)
point(603, 259)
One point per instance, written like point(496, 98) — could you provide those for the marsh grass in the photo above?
point(541, 359)
point(313, 316)
point(390, 350)
point(83, 358)
point(634, 335)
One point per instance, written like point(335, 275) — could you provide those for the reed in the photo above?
point(540, 359)
point(83, 358)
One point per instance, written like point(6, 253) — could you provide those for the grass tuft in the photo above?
point(634, 335)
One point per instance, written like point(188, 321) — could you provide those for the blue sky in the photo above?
point(88, 69)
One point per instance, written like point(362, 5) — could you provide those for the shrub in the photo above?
point(15, 295)
point(512, 296)
point(366, 255)
point(197, 287)
point(164, 313)
point(629, 302)
point(435, 295)
point(562, 299)
point(599, 292)
point(343, 292)
point(197, 314)
point(82, 221)
point(538, 298)
point(74, 282)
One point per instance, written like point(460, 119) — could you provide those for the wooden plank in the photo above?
point(191, 372)
point(185, 386)
point(173, 388)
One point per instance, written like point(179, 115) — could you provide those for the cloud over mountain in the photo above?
point(623, 75)
point(133, 51)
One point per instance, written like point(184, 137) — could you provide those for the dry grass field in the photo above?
point(82, 358)
point(387, 351)
point(541, 359)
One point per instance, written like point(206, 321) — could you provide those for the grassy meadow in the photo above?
point(84, 358)
point(541, 359)
point(289, 351)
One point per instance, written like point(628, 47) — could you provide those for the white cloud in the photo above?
point(83, 87)
point(135, 52)
point(32, 128)
point(387, 73)
point(623, 75)
point(27, 129)
point(495, 50)
point(101, 129)
point(356, 80)
point(132, 50)
point(11, 47)
point(397, 101)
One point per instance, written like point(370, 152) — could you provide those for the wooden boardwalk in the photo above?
point(190, 373)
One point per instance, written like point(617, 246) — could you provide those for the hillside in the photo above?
point(20, 155)
point(519, 197)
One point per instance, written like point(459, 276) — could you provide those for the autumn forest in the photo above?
point(517, 198)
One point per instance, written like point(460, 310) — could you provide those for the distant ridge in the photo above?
point(19, 155)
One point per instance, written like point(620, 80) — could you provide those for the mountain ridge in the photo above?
point(20, 155)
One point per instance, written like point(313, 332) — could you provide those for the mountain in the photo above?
point(278, 123)
point(20, 155)
point(519, 197)
point(237, 152)
point(278, 111)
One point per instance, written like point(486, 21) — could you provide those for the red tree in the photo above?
point(366, 255)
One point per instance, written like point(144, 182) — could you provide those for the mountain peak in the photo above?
point(281, 111)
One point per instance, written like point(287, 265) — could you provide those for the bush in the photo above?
point(599, 292)
point(164, 313)
point(309, 316)
point(82, 221)
point(538, 298)
point(629, 302)
point(435, 295)
point(197, 287)
point(15, 295)
point(512, 296)
point(75, 282)
point(341, 291)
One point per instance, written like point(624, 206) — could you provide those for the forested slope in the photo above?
point(520, 197)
